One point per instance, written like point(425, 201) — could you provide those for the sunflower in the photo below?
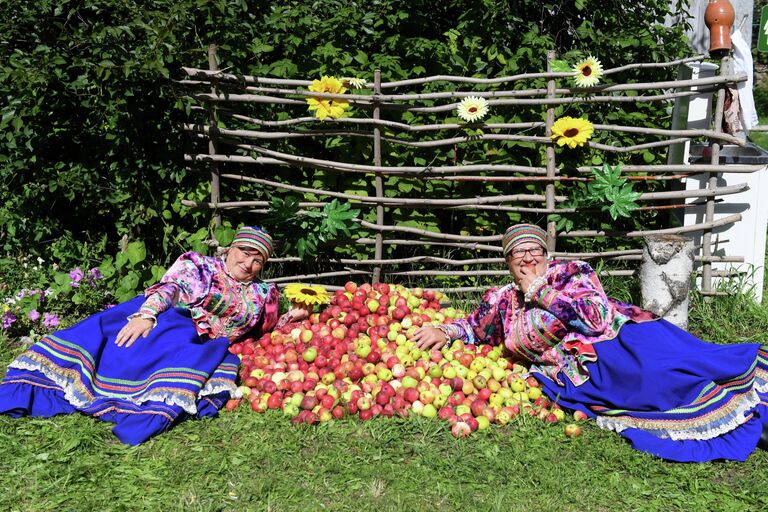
point(472, 109)
point(355, 83)
point(325, 107)
point(307, 295)
point(572, 131)
point(587, 72)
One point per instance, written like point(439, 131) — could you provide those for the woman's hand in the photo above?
point(429, 337)
point(526, 278)
point(297, 314)
point(132, 330)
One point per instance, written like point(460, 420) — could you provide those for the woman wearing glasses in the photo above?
point(667, 392)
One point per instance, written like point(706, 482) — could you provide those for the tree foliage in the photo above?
point(90, 145)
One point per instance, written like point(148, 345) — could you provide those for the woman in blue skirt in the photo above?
point(153, 361)
point(667, 392)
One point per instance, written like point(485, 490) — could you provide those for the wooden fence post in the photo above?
point(213, 143)
point(709, 215)
point(551, 164)
point(379, 249)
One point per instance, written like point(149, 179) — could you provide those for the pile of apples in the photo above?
point(356, 358)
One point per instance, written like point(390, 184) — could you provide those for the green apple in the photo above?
point(462, 409)
point(363, 350)
point(517, 385)
point(518, 396)
point(373, 305)
point(435, 372)
point(309, 354)
point(290, 410)
point(534, 393)
point(296, 399)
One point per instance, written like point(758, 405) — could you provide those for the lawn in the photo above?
point(248, 461)
point(760, 138)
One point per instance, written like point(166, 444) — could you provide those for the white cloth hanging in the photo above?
point(742, 63)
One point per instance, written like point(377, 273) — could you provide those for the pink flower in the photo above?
point(50, 320)
point(33, 315)
point(76, 275)
point(8, 319)
point(94, 275)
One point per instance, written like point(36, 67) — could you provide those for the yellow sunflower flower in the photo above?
point(587, 72)
point(307, 295)
point(325, 107)
point(571, 131)
point(472, 109)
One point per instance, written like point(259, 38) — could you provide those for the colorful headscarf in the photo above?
point(520, 233)
point(256, 238)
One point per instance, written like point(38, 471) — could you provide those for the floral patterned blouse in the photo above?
point(219, 304)
point(556, 328)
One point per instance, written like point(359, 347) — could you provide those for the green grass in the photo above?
point(760, 138)
point(248, 461)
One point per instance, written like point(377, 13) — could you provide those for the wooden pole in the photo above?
point(213, 144)
point(551, 164)
point(709, 213)
point(379, 180)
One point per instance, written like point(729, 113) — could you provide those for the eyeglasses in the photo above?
point(534, 251)
point(247, 251)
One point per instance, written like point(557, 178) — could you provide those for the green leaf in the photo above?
point(136, 252)
point(561, 66)
point(224, 235)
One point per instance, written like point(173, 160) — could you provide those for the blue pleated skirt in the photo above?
point(672, 395)
point(145, 389)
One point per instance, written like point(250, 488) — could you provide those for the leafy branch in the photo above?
point(304, 230)
point(608, 190)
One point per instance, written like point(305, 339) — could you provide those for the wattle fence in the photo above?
point(258, 140)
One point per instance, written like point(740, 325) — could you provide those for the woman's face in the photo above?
point(244, 262)
point(527, 259)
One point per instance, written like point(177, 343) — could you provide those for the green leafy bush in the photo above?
point(91, 149)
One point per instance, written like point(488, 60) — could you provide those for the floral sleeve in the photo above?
point(483, 325)
point(187, 282)
point(573, 294)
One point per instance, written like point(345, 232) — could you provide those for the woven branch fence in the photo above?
point(262, 142)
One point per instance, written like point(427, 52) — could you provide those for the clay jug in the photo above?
point(719, 17)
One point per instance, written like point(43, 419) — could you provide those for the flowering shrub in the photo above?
point(47, 298)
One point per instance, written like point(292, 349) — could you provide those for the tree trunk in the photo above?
point(665, 276)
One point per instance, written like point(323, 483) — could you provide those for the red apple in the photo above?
point(477, 407)
point(580, 415)
point(572, 430)
point(461, 429)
